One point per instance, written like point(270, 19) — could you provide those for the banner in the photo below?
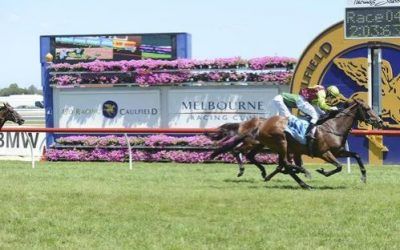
point(17, 143)
point(179, 107)
point(207, 108)
point(107, 108)
point(114, 47)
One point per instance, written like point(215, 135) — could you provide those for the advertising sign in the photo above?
point(116, 47)
point(107, 108)
point(17, 144)
point(207, 108)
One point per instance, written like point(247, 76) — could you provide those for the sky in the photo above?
point(219, 28)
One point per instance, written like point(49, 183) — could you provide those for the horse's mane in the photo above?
point(4, 106)
point(327, 116)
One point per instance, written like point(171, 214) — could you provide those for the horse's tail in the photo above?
point(223, 131)
point(228, 145)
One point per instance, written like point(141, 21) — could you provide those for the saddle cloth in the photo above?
point(297, 128)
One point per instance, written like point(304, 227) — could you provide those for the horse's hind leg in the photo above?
point(251, 157)
point(300, 181)
point(290, 169)
point(278, 169)
point(284, 163)
point(299, 164)
point(287, 168)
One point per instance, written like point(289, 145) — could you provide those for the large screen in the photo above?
point(115, 47)
point(372, 22)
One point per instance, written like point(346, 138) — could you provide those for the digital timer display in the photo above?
point(372, 22)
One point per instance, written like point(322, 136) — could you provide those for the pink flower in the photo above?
point(160, 72)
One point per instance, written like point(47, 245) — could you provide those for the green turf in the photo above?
point(156, 55)
point(180, 206)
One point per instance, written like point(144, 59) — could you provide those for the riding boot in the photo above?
point(310, 139)
point(310, 145)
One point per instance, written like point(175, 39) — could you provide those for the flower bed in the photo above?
point(177, 78)
point(150, 141)
point(220, 63)
point(96, 149)
point(160, 72)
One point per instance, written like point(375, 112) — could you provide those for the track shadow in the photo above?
point(278, 184)
point(240, 180)
point(331, 188)
point(294, 187)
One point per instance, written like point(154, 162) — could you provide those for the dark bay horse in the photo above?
point(227, 131)
point(330, 136)
point(7, 113)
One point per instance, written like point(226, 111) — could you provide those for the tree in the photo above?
point(14, 89)
point(33, 90)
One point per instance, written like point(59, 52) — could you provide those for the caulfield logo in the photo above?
point(110, 109)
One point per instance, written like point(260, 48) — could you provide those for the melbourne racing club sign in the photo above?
point(182, 107)
point(206, 108)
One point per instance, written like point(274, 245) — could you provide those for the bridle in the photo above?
point(363, 115)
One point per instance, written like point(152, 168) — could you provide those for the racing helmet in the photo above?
point(333, 91)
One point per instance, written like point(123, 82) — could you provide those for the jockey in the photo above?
point(311, 101)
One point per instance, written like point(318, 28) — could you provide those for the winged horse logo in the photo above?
point(109, 109)
point(357, 70)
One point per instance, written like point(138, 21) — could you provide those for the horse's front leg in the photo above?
point(239, 160)
point(329, 157)
point(356, 156)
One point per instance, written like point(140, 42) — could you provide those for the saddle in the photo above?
point(297, 128)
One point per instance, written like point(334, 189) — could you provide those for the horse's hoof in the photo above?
point(239, 174)
point(308, 175)
point(267, 179)
point(307, 187)
point(296, 171)
point(321, 171)
point(364, 179)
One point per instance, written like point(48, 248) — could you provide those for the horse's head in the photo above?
point(7, 113)
point(367, 115)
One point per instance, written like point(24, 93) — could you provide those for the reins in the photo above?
point(341, 113)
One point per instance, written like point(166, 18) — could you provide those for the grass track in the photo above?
point(181, 206)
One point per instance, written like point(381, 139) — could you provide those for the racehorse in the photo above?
point(227, 131)
point(247, 142)
point(330, 140)
point(7, 113)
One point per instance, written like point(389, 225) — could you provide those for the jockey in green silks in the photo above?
point(311, 101)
